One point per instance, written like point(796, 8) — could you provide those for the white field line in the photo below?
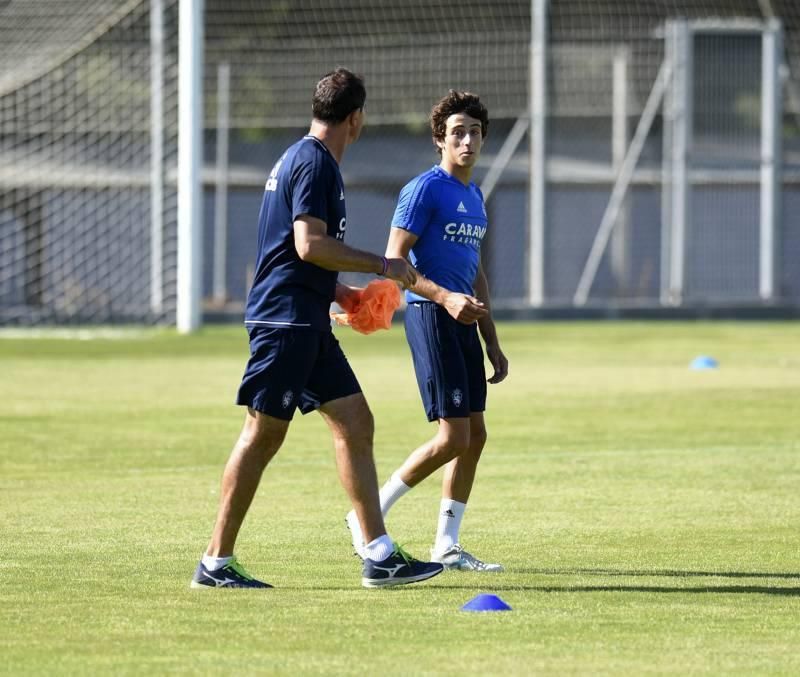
point(78, 333)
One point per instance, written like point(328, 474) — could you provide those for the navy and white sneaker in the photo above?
point(232, 575)
point(397, 569)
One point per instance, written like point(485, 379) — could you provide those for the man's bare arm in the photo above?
point(488, 330)
point(463, 307)
point(314, 245)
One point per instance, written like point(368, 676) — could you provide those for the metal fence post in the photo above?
point(771, 160)
point(678, 118)
point(156, 155)
point(220, 286)
point(538, 164)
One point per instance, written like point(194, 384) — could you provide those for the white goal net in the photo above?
point(77, 172)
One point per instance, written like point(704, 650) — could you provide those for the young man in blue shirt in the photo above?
point(295, 361)
point(439, 224)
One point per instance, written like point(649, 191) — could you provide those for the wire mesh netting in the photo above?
point(88, 140)
point(604, 59)
point(76, 171)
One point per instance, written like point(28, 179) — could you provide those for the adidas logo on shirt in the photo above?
point(461, 208)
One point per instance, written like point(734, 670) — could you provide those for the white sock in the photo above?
point(379, 549)
point(450, 515)
point(214, 563)
point(391, 491)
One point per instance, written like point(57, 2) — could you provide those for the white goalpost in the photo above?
point(190, 162)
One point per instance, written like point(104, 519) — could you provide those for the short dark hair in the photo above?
point(453, 103)
point(338, 94)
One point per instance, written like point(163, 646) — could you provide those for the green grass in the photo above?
point(648, 514)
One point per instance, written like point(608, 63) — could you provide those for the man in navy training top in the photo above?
point(439, 223)
point(295, 361)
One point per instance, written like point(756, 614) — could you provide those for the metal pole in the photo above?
point(538, 166)
point(790, 83)
point(666, 174)
point(504, 156)
point(680, 53)
point(771, 160)
point(221, 193)
point(621, 186)
point(190, 158)
point(620, 243)
point(156, 156)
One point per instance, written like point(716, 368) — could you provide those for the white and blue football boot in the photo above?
point(398, 568)
point(232, 575)
point(458, 559)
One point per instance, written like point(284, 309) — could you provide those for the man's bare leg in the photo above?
point(353, 428)
point(451, 440)
point(260, 439)
point(459, 474)
point(351, 423)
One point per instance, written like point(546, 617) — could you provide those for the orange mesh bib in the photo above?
point(372, 308)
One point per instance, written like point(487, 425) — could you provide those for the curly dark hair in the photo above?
point(457, 102)
point(338, 94)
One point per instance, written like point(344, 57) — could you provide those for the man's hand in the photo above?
point(498, 362)
point(401, 271)
point(347, 296)
point(464, 308)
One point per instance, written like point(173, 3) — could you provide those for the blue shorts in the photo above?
point(293, 368)
point(448, 361)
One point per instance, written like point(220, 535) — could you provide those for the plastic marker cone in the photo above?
point(704, 362)
point(486, 603)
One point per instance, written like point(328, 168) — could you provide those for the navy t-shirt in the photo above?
point(286, 291)
point(449, 220)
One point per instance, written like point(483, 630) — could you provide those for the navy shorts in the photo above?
point(293, 368)
point(448, 361)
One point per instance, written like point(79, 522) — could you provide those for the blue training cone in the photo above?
point(704, 362)
point(486, 603)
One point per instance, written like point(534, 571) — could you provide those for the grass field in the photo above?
point(648, 515)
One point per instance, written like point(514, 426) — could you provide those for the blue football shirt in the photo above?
point(449, 220)
point(286, 291)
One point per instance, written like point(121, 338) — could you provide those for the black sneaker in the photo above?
point(232, 575)
point(397, 569)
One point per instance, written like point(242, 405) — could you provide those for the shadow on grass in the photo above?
point(707, 589)
point(485, 584)
point(494, 583)
point(671, 573)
